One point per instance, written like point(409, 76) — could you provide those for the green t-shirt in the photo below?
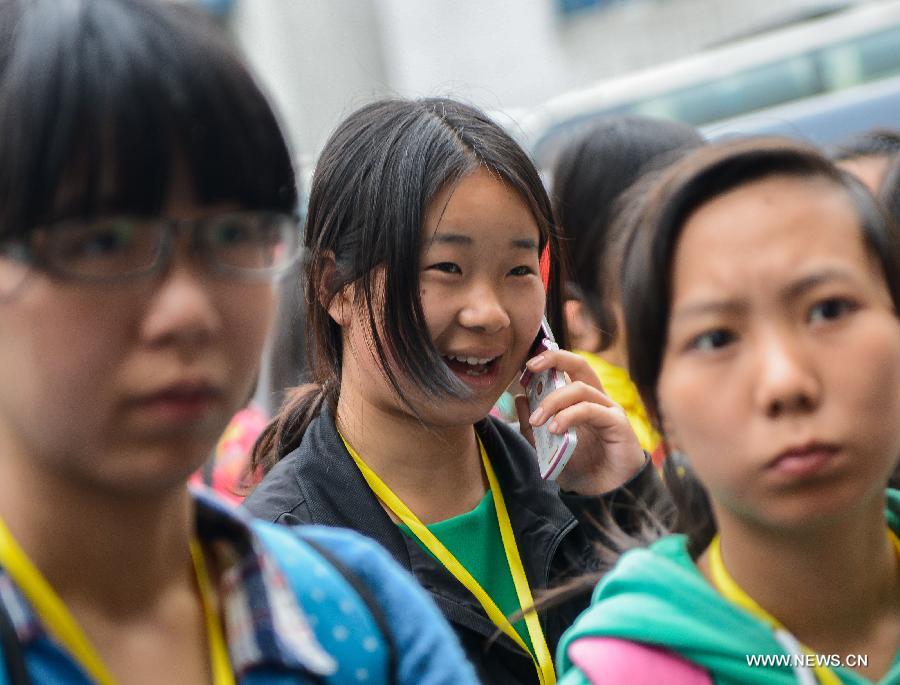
point(474, 539)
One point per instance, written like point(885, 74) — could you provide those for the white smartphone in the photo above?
point(553, 451)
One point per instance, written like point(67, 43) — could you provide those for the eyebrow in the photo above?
point(461, 239)
point(790, 292)
point(813, 280)
point(733, 307)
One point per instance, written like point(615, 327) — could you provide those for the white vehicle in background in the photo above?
point(835, 69)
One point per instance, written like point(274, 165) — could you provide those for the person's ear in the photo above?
point(583, 333)
point(338, 304)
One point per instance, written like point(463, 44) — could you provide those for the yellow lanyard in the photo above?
point(543, 661)
point(60, 622)
point(728, 588)
point(222, 673)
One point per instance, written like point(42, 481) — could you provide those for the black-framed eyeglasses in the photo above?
point(243, 245)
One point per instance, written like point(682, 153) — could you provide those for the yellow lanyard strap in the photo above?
point(730, 590)
point(62, 625)
point(54, 614)
point(218, 651)
point(543, 661)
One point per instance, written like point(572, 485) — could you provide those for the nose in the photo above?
point(182, 311)
point(483, 310)
point(787, 381)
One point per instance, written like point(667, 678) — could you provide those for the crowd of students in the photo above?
point(733, 384)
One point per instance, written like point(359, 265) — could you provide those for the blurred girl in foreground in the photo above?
point(760, 294)
point(146, 202)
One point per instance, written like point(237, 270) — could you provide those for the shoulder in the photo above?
point(610, 660)
point(351, 554)
point(279, 496)
point(427, 651)
point(283, 494)
point(392, 587)
point(358, 552)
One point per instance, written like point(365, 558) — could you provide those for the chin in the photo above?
point(152, 472)
point(813, 508)
point(458, 412)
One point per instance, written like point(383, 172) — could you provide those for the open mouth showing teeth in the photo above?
point(470, 366)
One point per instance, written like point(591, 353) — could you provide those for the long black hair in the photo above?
point(372, 185)
point(649, 254)
point(103, 102)
point(589, 180)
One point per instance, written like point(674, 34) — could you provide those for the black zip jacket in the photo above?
point(556, 531)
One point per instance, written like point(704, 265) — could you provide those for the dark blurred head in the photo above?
point(103, 103)
point(868, 155)
point(589, 180)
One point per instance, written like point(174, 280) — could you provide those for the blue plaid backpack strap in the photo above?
point(341, 610)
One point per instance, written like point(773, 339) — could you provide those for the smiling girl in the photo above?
point(425, 229)
point(761, 292)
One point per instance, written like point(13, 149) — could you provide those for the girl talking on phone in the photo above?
point(761, 294)
point(423, 282)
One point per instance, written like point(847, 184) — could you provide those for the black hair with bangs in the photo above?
point(104, 102)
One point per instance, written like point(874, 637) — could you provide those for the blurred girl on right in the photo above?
point(760, 293)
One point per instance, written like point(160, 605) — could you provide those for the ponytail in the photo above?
point(285, 432)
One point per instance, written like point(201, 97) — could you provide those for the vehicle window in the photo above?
point(866, 58)
point(743, 91)
point(862, 59)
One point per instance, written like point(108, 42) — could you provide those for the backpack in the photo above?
point(351, 616)
point(347, 614)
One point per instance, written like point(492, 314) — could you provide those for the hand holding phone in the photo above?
point(553, 451)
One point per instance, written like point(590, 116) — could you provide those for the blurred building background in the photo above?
point(320, 59)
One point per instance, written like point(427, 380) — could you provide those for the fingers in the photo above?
point(574, 393)
point(606, 420)
point(570, 363)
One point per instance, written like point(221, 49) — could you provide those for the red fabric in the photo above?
point(230, 477)
point(545, 266)
point(609, 660)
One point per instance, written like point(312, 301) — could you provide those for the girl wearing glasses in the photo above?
point(146, 199)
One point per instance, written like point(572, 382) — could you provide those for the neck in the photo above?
point(113, 553)
point(616, 353)
point(831, 586)
point(435, 471)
